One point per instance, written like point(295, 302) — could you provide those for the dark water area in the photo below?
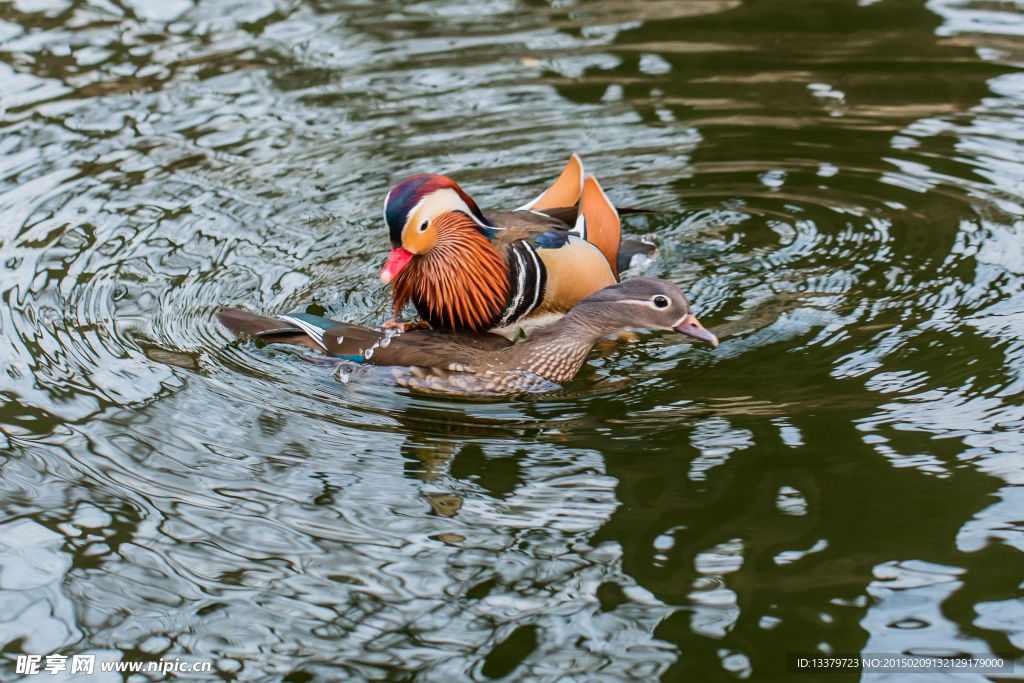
point(843, 188)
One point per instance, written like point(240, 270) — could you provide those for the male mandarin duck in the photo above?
point(482, 364)
point(502, 271)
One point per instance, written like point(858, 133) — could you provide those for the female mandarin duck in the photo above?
point(468, 363)
point(503, 271)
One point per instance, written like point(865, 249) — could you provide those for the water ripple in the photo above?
point(843, 200)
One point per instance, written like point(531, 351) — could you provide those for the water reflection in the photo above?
point(41, 616)
point(842, 188)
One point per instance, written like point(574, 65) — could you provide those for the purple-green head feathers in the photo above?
point(406, 196)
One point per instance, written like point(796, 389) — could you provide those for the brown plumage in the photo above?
point(461, 282)
point(483, 364)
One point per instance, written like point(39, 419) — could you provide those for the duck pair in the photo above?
point(507, 272)
point(549, 268)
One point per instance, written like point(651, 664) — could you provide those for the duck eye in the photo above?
point(660, 302)
point(424, 225)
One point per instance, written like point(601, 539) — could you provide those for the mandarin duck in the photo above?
point(504, 271)
point(483, 364)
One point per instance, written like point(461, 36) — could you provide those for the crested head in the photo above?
point(413, 204)
point(557, 351)
point(664, 299)
point(461, 282)
point(639, 302)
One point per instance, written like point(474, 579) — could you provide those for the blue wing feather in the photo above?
point(553, 239)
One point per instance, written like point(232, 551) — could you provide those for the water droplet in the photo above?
point(368, 354)
point(664, 542)
point(385, 342)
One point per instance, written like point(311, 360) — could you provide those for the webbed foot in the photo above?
point(405, 327)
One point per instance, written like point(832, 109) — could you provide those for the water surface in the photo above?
point(843, 187)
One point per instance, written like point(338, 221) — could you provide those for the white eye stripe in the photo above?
point(642, 301)
point(650, 304)
point(412, 212)
point(437, 203)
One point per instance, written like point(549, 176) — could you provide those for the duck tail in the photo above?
point(273, 330)
point(254, 324)
point(635, 254)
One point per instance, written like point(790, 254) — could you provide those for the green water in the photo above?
point(843, 188)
